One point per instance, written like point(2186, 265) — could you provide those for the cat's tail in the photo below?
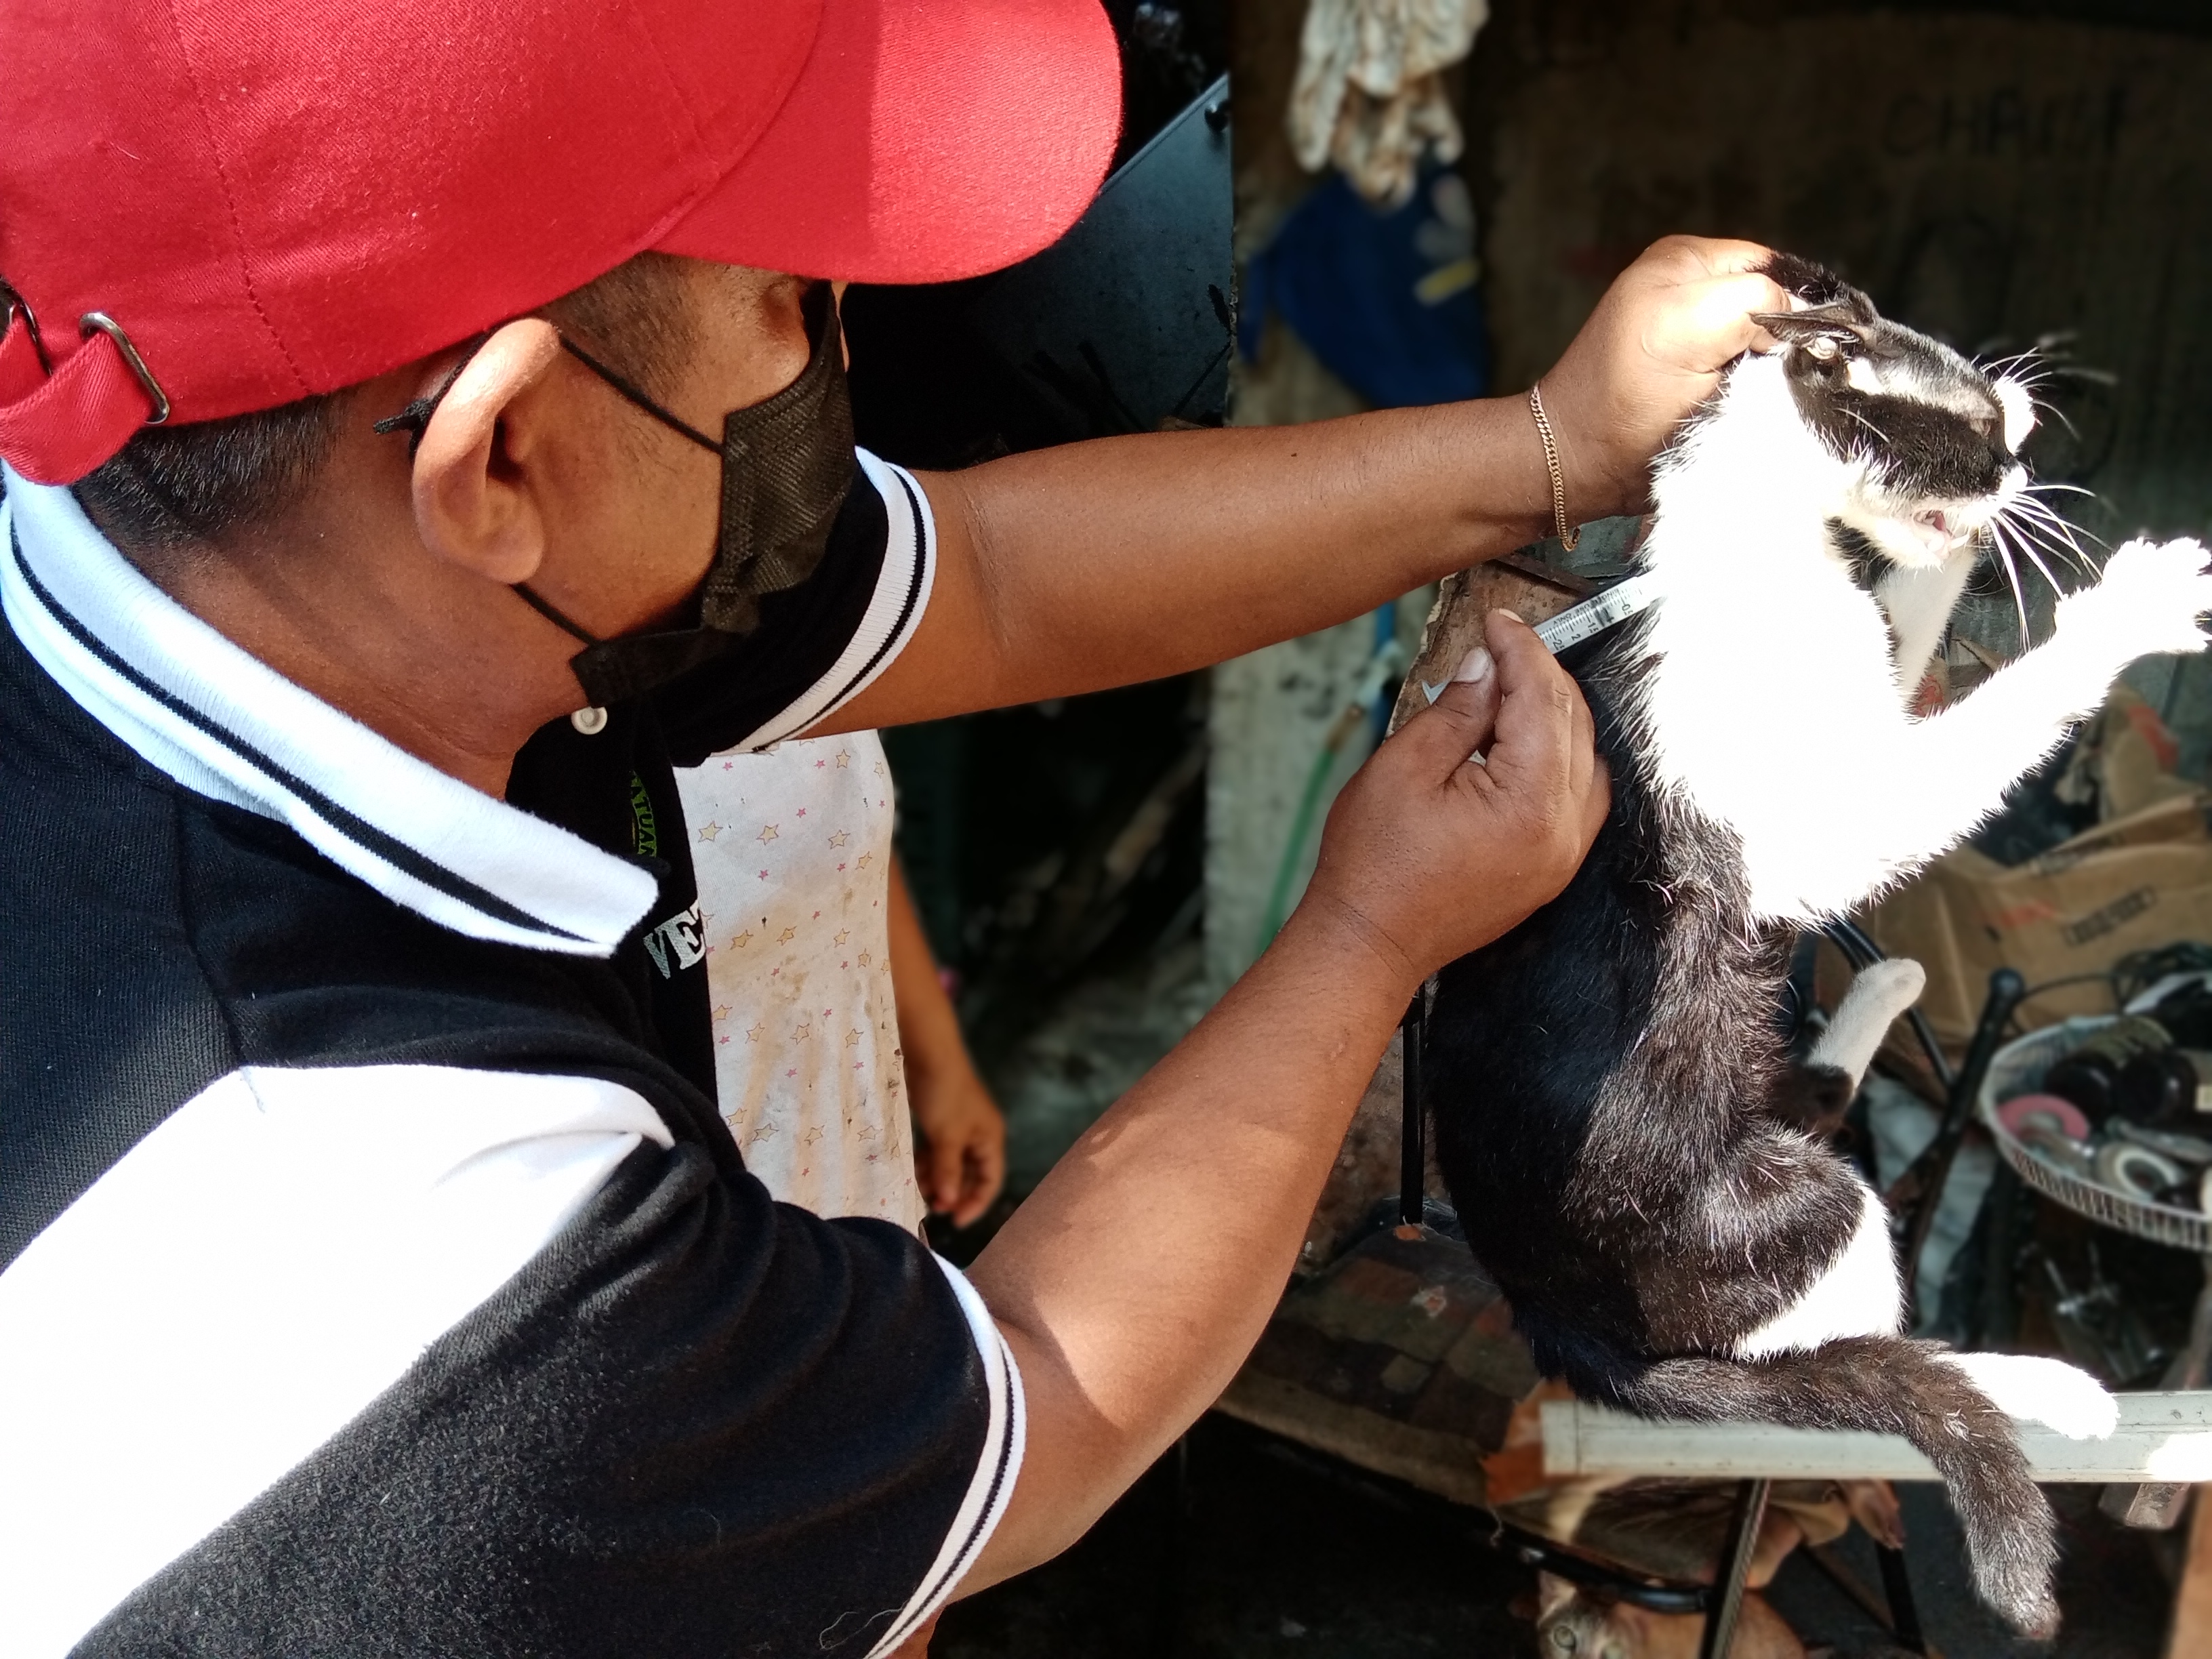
point(1945, 1404)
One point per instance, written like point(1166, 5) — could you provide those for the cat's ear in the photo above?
point(1551, 1594)
point(1815, 285)
point(1824, 332)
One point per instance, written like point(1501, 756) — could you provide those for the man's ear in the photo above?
point(473, 503)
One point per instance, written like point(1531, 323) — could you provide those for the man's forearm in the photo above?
point(1136, 1277)
point(1126, 559)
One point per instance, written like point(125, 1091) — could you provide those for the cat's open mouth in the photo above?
point(1938, 530)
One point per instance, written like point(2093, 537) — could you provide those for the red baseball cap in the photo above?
point(213, 206)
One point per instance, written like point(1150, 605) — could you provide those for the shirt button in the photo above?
point(590, 721)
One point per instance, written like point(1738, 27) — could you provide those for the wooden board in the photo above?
point(2191, 1636)
point(1531, 590)
point(1399, 1358)
point(2161, 1437)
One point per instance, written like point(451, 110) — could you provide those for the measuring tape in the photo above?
point(1587, 620)
point(1593, 616)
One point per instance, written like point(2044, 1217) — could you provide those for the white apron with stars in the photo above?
point(792, 851)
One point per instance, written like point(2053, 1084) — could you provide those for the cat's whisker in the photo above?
point(2060, 531)
point(2025, 537)
point(1867, 424)
point(2059, 536)
point(2038, 364)
point(2050, 408)
point(2009, 545)
point(2011, 574)
point(2056, 590)
point(2031, 535)
point(2054, 484)
point(2028, 547)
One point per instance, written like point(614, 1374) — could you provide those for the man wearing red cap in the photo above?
point(411, 450)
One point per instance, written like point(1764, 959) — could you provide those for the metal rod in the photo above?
point(1542, 1554)
point(1933, 1167)
point(1735, 1568)
point(1412, 1154)
point(1903, 1611)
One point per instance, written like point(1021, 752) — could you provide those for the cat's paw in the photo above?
point(2149, 602)
point(1888, 987)
point(2046, 1391)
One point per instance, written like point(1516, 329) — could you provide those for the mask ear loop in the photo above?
point(674, 422)
point(828, 327)
point(415, 419)
point(565, 623)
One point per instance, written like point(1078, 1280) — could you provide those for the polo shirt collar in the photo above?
point(225, 725)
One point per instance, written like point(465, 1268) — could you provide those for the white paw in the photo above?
point(2046, 1391)
point(2148, 600)
point(1889, 988)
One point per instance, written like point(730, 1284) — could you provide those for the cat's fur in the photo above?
point(1604, 1079)
point(1578, 1624)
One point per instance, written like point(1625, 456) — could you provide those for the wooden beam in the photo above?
point(2161, 1437)
point(2192, 1637)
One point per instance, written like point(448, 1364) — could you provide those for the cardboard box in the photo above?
point(2134, 884)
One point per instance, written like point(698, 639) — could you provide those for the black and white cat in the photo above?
point(1604, 1079)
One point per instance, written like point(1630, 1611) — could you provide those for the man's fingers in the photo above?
point(1716, 324)
point(1536, 735)
point(1441, 737)
point(1726, 256)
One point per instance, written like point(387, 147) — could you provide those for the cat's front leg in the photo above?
point(1957, 765)
point(2150, 601)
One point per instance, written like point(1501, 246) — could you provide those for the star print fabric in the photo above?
point(792, 850)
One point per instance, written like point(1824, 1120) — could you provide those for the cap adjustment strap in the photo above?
point(59, 421)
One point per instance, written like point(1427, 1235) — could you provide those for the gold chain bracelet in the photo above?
point(1568, 534)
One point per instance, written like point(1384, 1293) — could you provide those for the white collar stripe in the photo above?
point(223, 725)
point(389, 848)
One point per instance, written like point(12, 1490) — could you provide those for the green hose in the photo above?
point(1279, 895)
point(1368, 702)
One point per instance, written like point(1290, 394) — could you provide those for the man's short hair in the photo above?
point(175, 487)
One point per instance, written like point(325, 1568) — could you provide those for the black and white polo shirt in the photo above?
point(376, 1275)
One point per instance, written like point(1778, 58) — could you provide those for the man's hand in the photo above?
point(1650, 353)
point(1435, 848)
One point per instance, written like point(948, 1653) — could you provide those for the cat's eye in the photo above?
point(1563, 1638)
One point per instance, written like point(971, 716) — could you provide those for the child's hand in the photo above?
point(1430, 854)
point(960, 1157)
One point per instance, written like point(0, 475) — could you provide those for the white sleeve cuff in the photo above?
point(993, 1484)
point(894, 612)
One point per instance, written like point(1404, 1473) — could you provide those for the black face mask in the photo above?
point(787, 466)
